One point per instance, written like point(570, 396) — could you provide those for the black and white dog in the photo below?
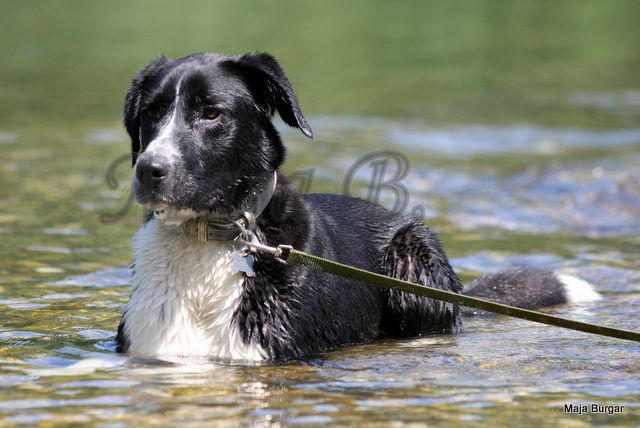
point(205, 153)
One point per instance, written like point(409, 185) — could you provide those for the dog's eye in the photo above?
point(210, 113)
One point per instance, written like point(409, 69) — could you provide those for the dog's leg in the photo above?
point(414, 254)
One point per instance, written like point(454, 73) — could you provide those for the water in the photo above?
point(521, 123)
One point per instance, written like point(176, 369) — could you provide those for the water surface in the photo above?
point(521, 123)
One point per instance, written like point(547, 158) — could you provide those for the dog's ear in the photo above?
point(272, 88)
point(132, 101)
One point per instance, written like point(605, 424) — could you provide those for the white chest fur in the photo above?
point(183, 298)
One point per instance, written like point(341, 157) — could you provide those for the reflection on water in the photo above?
point(60, 315)
point(522, 128)
point(464, 141)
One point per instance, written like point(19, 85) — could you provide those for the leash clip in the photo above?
point(248, 238)
point(279, 253)
point(282, 253)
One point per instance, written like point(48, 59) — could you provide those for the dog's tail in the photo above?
point(530, 288)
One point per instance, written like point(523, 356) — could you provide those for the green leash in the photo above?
point(287, 255)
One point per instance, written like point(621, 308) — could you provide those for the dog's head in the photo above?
point(201, 131)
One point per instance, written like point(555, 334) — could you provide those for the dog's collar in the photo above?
point(209, 228)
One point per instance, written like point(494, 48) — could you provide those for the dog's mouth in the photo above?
point(159, 209)
point(214, 208)
point(172, 216)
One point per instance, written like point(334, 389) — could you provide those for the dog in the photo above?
point(206, 160)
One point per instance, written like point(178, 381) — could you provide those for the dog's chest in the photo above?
point(184, 297)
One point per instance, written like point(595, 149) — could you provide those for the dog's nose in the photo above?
point(152, 171)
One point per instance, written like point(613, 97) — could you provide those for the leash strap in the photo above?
point(285, 253)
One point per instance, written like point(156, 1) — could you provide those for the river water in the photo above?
point(520, 126)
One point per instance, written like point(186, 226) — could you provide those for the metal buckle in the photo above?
point(277, 252)
point(283, 250)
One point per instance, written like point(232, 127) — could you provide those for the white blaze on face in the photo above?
point(163, 144)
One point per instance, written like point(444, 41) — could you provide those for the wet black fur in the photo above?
point(293, 311)
point(530, 291)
